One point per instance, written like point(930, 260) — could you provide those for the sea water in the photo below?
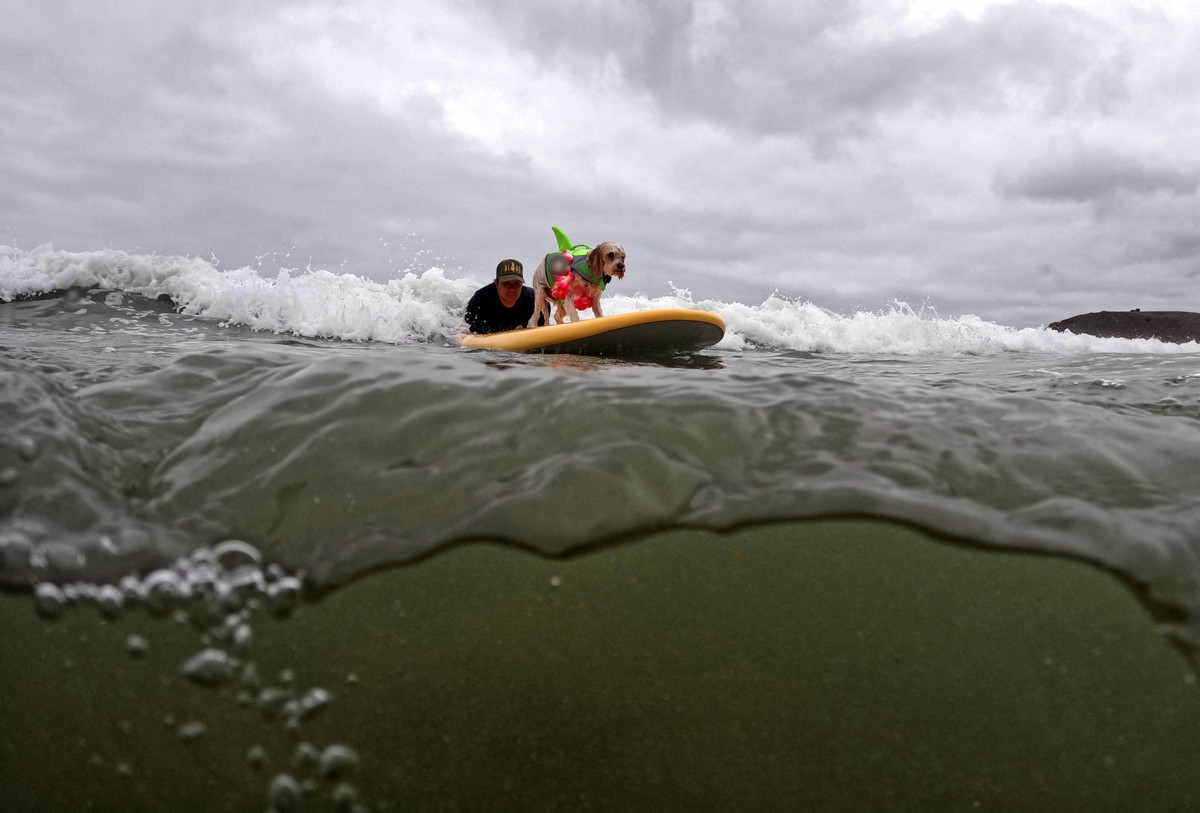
point(221, 447)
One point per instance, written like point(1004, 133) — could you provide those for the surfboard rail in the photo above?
point(660, 330)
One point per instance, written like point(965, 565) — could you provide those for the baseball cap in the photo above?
point(509, 269)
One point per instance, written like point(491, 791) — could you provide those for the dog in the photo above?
point(575, 283)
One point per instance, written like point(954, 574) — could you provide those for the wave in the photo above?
point(428, 306)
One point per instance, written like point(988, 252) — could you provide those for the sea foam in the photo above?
point(428, 307)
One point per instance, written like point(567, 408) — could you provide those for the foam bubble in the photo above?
point(191, 731)
point(137, 646)
point(49, 600)
point(210, 667)
point(338, 761)
point(284, 793)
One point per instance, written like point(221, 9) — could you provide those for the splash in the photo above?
point(428, 306)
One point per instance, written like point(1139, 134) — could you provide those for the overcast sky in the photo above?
point(1023, 161)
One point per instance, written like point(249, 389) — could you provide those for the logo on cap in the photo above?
point(509, 269)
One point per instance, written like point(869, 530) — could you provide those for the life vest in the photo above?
point(573, 258)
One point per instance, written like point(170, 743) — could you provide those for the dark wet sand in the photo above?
point(1168, 326)
point(830, 666)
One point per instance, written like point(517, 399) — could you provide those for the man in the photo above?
point(505, 304)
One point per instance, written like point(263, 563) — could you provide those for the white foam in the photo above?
point(428, 306)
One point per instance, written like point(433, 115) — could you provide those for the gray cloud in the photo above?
point(805, 67)
point(818, 149)
point(1084, 172)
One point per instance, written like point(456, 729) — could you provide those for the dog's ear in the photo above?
point(596, 259)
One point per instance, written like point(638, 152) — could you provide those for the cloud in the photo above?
point(850, 152)
point(1087, 172)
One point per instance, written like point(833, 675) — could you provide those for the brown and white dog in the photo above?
point(604, 262)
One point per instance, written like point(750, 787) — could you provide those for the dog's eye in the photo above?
point(611, 254)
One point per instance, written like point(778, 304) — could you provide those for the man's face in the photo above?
point(510, 291)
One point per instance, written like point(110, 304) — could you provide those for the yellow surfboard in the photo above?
point(664, 330)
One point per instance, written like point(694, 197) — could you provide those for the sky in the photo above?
point(1019, 160)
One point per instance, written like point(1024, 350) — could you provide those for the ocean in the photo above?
point(277, 542)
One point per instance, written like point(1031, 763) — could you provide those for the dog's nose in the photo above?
point(621, 266)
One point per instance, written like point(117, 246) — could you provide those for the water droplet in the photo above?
point(137, 646)
point(49, 600)
point(555, 581)
point(210, 667)
point(287, 677)
point(123, 769)
point(8, 477)
point(338, 761)
point(284, 793)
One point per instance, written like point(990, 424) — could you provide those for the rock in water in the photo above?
point(1168, 326)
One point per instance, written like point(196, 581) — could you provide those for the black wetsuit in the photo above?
point(486, 313)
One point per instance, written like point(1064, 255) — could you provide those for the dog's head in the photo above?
point(608, 259)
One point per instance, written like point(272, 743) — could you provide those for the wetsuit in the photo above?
point(486, 313)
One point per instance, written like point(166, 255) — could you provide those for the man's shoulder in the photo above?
point(483, 292)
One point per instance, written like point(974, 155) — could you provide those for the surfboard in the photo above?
point(651, 332)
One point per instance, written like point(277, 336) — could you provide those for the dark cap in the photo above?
point(509, 269)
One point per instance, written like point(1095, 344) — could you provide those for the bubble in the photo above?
point(283, 595)
point(109, 601)
point(555, 581)
point(15, 550)
point(284, 793)
point(344, 796)
point(160, 591)
point(242, 637)
point(49, 600)
point(62, 558)
point(137, 646)
point(313, 701)
point(8, 477)
point(243, 586)
point(124, 769)
point(210, 667)
point(27, 448)
point(131, 588)
point(233, 554)
point(271, 701)
point(249, 677)
point(191, 731)
point(338, 761)
point(256, 756)
point(287, 677)
point(306, 755)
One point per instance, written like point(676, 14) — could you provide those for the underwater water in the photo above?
point(281, 543)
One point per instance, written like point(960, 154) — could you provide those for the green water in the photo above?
point(824, 666)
